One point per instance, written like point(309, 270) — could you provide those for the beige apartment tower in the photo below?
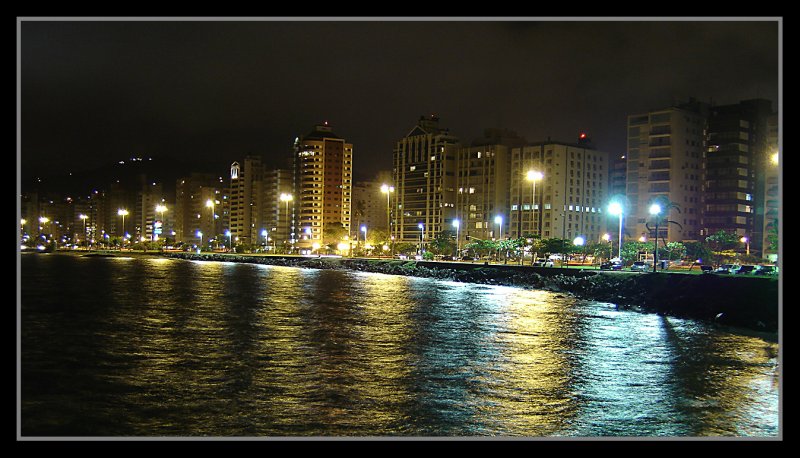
point(665, 158)
point(323, 170)
point(571, 195)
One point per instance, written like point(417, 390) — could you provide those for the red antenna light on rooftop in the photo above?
point(583, 135)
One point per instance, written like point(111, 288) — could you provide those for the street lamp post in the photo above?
point(421, 236)
point(457, 224)
point(200, 247)
point(746, 241)
point(655, 210)
point(287, 198)
point(616, 209)
point(499, 221)
point(122, 212)
point(210, 204)
point(386, 189)
point(230, 240)
point(580, 241)
point(160, 209)
point(43, 220)
point(83, 217)
point(265, 234)
point(532, 176)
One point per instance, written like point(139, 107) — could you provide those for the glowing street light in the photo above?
point(200, 247)
point(230, 239)
point(457, 224)
point(122, 212)
point(655, 210)
point(265, 234)
point(532, 176)
point(83, 217)
point(286, 198)
point(499, 221)
point(160, 208)
point(388, 190)
point(421, 236)
point(615, 208)
point(746, 241)
point(364, 230)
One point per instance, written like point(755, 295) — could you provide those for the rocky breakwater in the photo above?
point(750, 302)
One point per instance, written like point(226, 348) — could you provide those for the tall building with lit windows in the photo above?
point(323, 174)
point(665, 157)
point(424, 165)
point(571, 195)
point(482, 186)
point(192, 212)
point(736, 164)
point(251, 210)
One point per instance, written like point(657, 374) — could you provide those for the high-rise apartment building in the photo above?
point(424, 163)
point(250, 210)
point(369, 207)
point(277, 224)
point(151, 222)
point(482, 184)
point(736, 166)
point(323, 169)
point(192, 210)
point(665, 159)
point(571, 196)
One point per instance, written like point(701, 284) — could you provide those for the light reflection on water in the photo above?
point(152, 347)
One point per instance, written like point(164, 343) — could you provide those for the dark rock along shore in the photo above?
point(749, 302)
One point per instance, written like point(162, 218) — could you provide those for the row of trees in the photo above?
point(716, 249)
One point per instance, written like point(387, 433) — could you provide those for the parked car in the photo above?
point(611, 265)
point(767, 270)
point(544, 263)
point(744, 270)
point(467, 258)
point(726, 269)
point(640, 266)
point(706, 269)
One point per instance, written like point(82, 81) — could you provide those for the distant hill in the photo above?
point(153, 169)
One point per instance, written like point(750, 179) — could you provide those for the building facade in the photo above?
point(251, 209)
point(192, 212)
point(736, 165)
point(482, 185)
point(424, 163)
point(665, 159)
point(571, 196)
point(323, 174)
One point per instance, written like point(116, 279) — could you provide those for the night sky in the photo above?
point(210, 92)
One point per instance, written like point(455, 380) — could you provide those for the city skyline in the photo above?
point(181, 89)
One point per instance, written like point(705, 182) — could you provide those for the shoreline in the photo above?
point(745, 302)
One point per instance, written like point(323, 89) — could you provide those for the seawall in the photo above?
point(749, 302)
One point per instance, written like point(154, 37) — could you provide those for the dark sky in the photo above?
point(211, 92)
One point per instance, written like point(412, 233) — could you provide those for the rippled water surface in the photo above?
point(164, 347)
